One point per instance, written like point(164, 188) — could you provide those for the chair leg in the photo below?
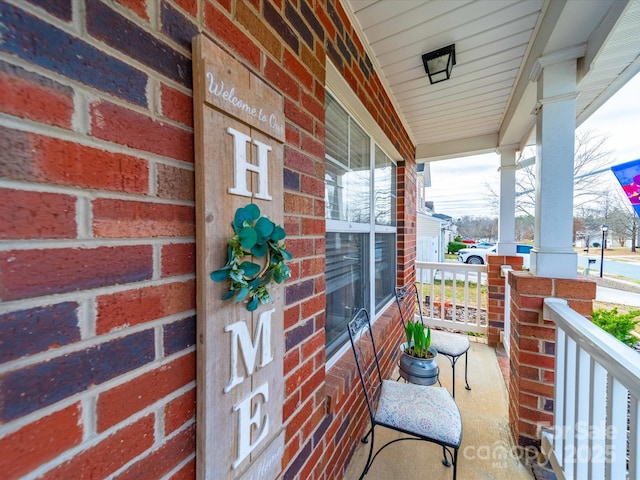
point(466, 364)
point(453, 377)
point(453, 361)
point(455, 463)
point(369, 461)
point(365, 439)
point(446, 453)
point(445, 459)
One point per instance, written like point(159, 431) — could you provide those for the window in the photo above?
point(360, 209)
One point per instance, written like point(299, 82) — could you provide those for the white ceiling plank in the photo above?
point(442, 30)
point(403, 20)
point(451, 149)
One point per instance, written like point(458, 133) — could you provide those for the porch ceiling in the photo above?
point(490, 99)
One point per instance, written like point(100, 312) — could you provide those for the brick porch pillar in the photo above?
point(532, 349)
point(495, 294)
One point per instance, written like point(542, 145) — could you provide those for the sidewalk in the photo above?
point(616, 296)
point(615, 290)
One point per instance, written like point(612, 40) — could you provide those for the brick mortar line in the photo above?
point(92, 92)
point(310, 196)
point(92, 392)
point(91, 193)
point(171, 474)
point(89, 243)
point(40, 357)
point(79, 19)
point(28, 126)
point(87, 294)
point(95, 441)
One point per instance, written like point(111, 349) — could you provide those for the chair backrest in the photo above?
point(406, 298)
point(364, 350)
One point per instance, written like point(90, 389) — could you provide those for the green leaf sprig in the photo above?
point(259, 237)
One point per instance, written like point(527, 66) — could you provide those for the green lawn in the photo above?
point(459, 292)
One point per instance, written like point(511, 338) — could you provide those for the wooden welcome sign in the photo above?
point(239, 134)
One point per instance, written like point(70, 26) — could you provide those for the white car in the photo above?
point(478, 256)
point(475, 256)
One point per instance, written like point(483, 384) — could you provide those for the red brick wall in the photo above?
point(97, 263)
point(532, 349)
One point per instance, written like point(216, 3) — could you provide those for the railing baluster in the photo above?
point(634, 440)
point(479, 296)
point(583, 406)
point(617, 414)
point(597, 417)
point(570, 405)
point(432, 290)
point(506, 334)
point(454, 294)
point(559, 434)
point(466, 298)
point(443, 298)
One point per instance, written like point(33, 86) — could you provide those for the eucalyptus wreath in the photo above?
point(261, 238)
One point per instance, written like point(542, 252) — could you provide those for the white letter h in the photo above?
point(240, 166)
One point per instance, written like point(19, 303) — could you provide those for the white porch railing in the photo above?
point(506, 332)
point(441, 284)
point(597, 401)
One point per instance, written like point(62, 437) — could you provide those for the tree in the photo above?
point(525, 227)
point(622, 220)
point(579, 230)
point(478, 227)
point(591, 156)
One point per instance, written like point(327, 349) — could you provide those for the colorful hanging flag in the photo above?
point(628, 174)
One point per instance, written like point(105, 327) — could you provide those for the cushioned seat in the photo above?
point(437, 417)
point(451, 344)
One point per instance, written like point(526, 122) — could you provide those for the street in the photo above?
point(625, 271)
point(628, 270)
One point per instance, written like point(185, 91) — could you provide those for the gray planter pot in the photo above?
point(422, 371)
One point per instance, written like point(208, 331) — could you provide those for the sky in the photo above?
point(618, 118)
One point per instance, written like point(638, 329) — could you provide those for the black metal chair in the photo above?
point(422, 412)
point(451, 345)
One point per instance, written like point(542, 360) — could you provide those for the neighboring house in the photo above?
point(451, 230)
point(430, 238)
point(433, 230)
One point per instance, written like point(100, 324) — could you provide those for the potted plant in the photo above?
point(418, 360)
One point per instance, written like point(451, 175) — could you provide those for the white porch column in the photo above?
point(507, 219)
point(553, 255)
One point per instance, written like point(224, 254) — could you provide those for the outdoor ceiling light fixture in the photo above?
point(438, 64)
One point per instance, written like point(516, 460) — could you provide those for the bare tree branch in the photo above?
point(591, 155)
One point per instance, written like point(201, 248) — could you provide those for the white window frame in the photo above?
point(344, 96)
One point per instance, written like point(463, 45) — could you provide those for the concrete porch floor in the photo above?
point(487, 451)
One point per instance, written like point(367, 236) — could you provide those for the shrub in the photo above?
point(453, 247)
point(620, 325)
